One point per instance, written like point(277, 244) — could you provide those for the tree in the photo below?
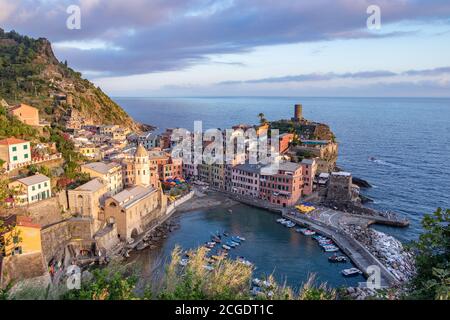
point(262, 118)
point(432, 251)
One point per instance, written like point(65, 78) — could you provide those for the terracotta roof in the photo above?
point(23, 221)
point(10, 141)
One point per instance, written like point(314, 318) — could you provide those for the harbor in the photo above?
point(271, 248)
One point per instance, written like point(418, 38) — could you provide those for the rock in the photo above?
point(361, 182)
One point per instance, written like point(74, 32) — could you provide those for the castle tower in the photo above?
point(141, 166)
point(298, 113)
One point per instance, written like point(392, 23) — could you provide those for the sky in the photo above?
point(247, 47)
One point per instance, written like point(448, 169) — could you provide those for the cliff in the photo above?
point(30, 73)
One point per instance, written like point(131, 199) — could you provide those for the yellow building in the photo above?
point(110, 172)
point(22, 236)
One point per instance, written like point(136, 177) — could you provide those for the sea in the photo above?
point(401, 146)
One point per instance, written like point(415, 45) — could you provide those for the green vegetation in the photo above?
point(262, 118)
point(230, 280)
point(30, 73)
point(433, 258)
point(10, 126)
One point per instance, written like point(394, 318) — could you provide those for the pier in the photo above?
point(359, 255)
point(327, 222)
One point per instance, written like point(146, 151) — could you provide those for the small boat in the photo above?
point(231, 244)
point(241, 238)
point(257, 282)
point(226, 247)
point(245, 262)
point(184, 262)
point(351, 272)
point(236, 239)
point(308, 232)
point(226, 234)
point(216, 239)
point(300, 230)
point(281, 220)
point(230, 211)
point(290, 224)
point(331, 249)
point(335, 258)
point(325, 242)
point(210, 245)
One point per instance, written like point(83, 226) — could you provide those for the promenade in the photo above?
point(328, 222)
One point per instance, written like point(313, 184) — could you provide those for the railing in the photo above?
point(35, 160)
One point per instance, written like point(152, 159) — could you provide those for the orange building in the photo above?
point(26, 114)
point(22, 236)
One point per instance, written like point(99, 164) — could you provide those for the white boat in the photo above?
point(290, 224)
point(308, 232)
point(241, 238)
point(226, 247)
point(257, 282)
point(351, 272)
point(281, 220)
point(184, 262)
point(245, 262)
point(331, 249)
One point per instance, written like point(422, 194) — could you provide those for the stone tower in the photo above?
point(298, 113)
point(141, 166)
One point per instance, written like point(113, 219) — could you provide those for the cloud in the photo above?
point(313, 77)
point(165, 35)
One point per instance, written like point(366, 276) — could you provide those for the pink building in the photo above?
point(283, 188)
point(309, 171)
point(245, 179)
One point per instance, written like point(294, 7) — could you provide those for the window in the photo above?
point(14, 149)
point(33, 188)
point(25, 147)
point(26, 155)
point(15, 158)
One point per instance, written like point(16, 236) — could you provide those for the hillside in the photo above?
point(30, 73)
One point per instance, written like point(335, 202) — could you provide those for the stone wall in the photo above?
point(21, 267)
point(57, 236)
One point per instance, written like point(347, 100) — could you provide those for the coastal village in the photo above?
point(128, 185)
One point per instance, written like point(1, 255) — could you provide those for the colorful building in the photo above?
point(139, 170)
point(26, 114)
point(15, 152)
point(87, 199)
point(284, 186)
point(31, 189)
point(309, 170)
point(109, 172)
point(168, 167)
point(22, 236)
point(245, 179)
point(132, 209)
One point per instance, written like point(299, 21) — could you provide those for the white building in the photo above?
point(15, 151)
point(32, 189)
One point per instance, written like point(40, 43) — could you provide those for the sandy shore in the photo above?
point(206, 201)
